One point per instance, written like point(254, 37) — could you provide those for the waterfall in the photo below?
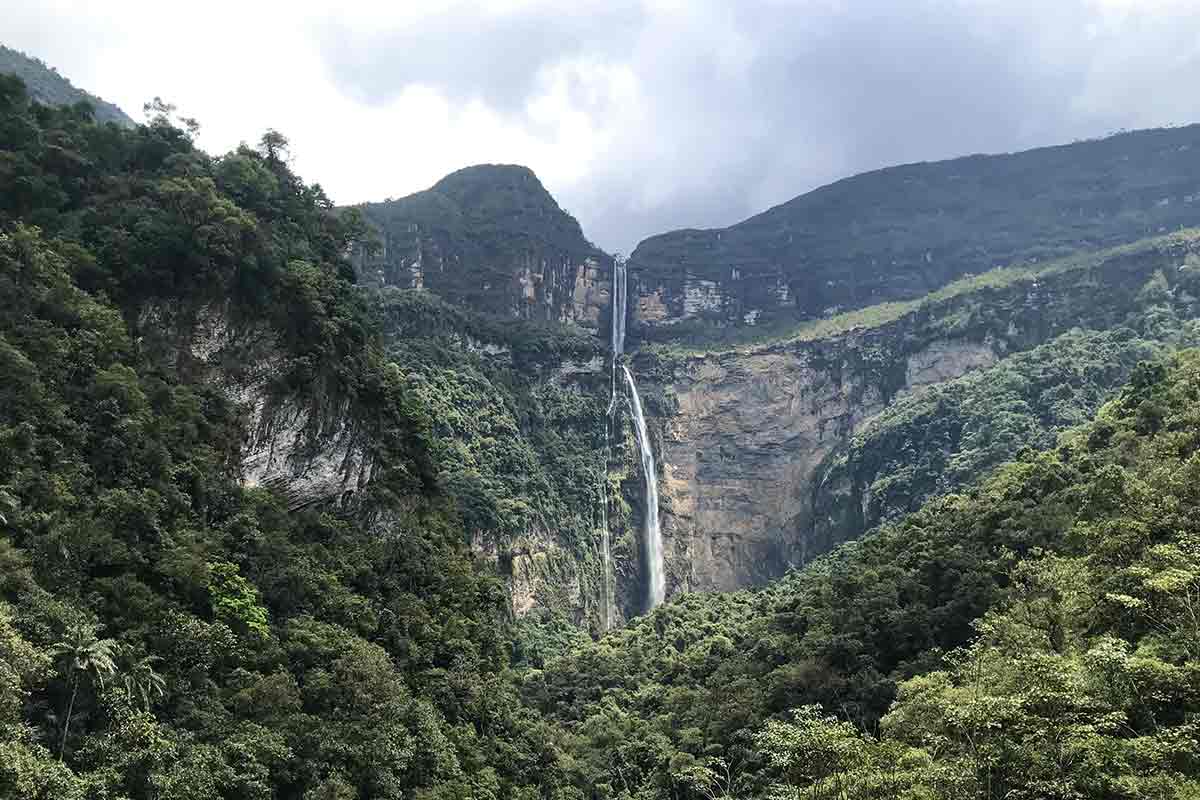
point(606, 547)
point(653, 537)
point(617, 307)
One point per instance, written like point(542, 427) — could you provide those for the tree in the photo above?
point(81, 654)
point(274, 146)
point(140, 679)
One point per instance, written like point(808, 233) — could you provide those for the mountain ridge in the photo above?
point(48, 86)
point(898, 232)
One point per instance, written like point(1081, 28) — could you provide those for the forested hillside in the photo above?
point(1034, 637)
point(489, 238)
point(46, 85)
point(166, 632)
point(170, 630)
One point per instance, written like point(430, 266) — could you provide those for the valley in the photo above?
point(888, 491)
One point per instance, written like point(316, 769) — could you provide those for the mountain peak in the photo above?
point(492, 238)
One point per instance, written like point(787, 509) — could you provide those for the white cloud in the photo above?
point(639, 115)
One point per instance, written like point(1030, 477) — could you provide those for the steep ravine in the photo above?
point(749, 438)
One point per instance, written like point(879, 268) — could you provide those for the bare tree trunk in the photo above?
point(62, 748)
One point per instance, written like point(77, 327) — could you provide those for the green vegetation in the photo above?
point(165, 632)
point(782, 333)
point(168, 633)
point(519, 450)
point(949, 435)
point(45, 85)
point(898, 233)
point(1034, 637)
point(488, 237)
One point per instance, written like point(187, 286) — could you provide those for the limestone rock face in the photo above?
point(307, 454)
point(945, 360)
point(746, 436)
point(741, 455)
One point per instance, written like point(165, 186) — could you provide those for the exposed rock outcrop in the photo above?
point(900, 232)
point(490, 238)
point(745, 434)
point(305, 452)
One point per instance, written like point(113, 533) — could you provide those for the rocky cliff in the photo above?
point(490, 238)
point(307, 448)
point(771, 453)
point(900, 232)
point(822, 422)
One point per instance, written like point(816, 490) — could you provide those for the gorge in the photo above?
point(299, 501)
point(765, 397)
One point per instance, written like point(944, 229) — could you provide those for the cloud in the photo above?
point(640, 115)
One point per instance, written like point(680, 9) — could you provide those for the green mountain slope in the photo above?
point(492, 239)
point(166, 630)
point(900, 232)
point(47, 86)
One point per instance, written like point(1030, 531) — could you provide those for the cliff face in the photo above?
point(307, 450)
point(901, 232)
point(769, 453)
point(490, 238)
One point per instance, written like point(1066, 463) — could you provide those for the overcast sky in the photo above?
point(639, 115)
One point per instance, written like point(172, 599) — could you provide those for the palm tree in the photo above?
point(7, 503)
point(79, 655)
point(140, 679)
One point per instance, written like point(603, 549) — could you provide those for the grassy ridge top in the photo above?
point(769, 337)
point(900, 232)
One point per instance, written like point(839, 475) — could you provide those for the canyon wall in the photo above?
point(750, 438)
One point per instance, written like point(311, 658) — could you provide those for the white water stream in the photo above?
point(653, 538)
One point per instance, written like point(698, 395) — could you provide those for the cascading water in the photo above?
point(653, 538)
point(618, 309)
point(618, 346)
point(656, 590)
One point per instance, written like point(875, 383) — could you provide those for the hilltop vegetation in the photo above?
point(488, 237)
point(47, 86)
point(980, 288)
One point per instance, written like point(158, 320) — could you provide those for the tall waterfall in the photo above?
point(652, 537)
point(620, 284)
point(653, 543)
point(618, 346)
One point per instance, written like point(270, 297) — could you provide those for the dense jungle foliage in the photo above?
point(947, 436)
point(166, 632)
point(518, 448)
point(1034, 637)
